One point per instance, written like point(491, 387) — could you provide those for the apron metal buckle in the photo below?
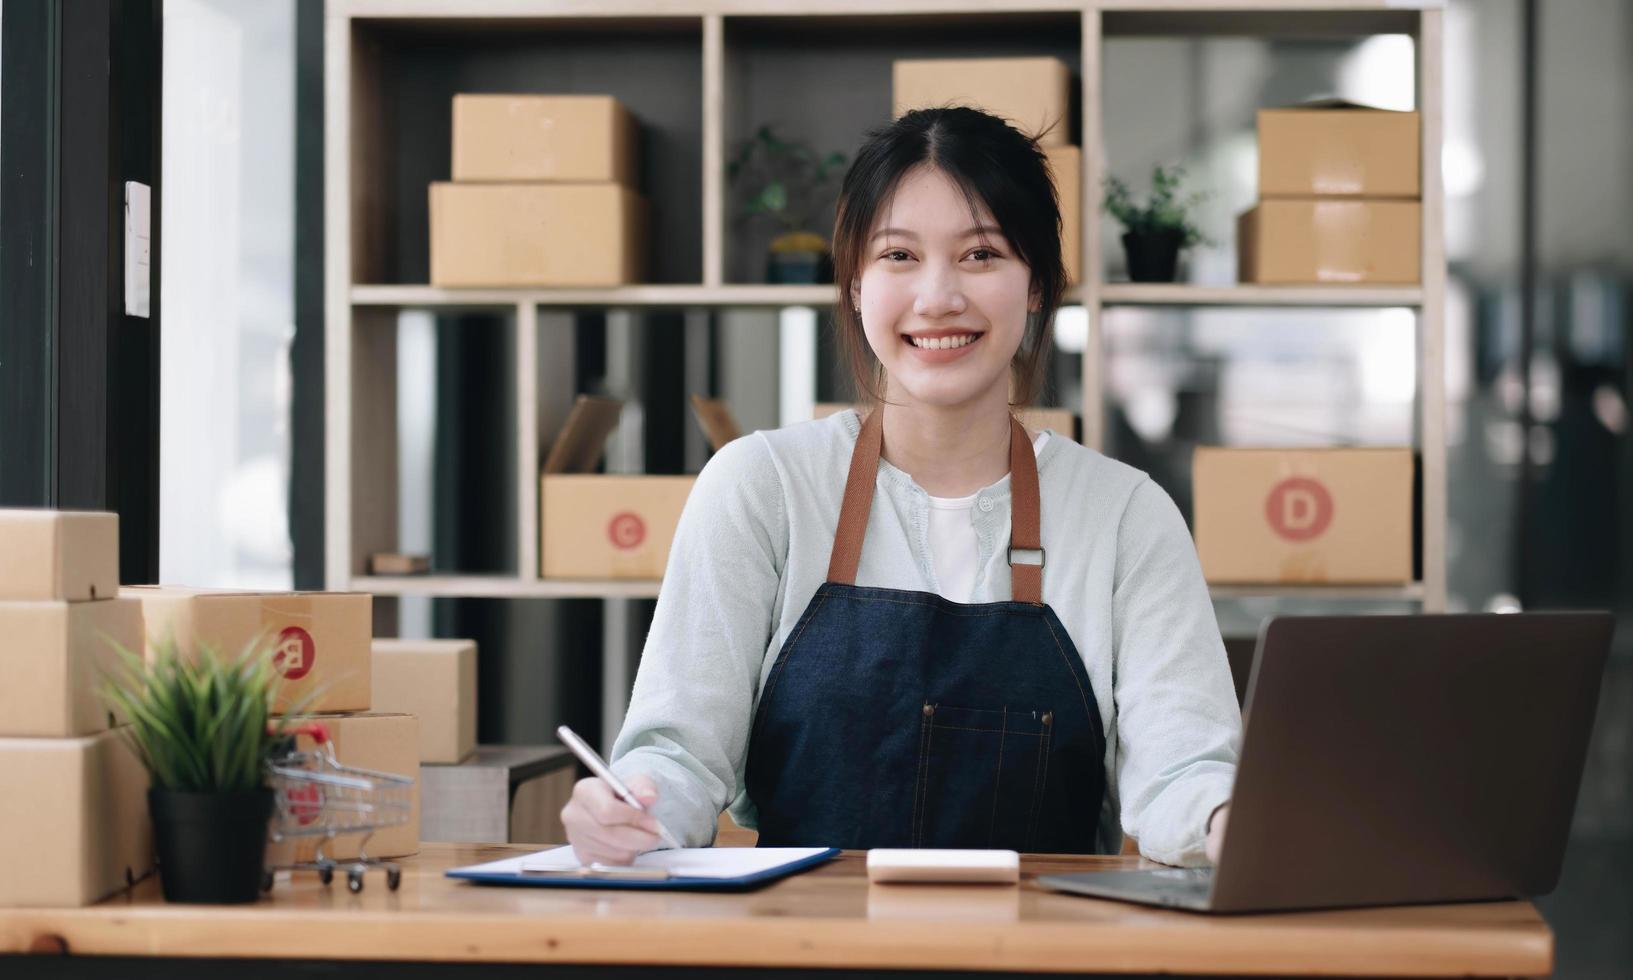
point(1014, 552)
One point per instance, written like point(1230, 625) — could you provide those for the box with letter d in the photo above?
point(597, 526)
point(1325, 515)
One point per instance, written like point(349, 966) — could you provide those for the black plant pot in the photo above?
point(1153, 256)
point(799, 267)
point(211, 845)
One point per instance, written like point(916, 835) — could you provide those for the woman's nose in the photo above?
point(939, 297)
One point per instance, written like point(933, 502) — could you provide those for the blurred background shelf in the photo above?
point(653, 296)
point(1411, 591)
point(1181, 294)
point(501, 587)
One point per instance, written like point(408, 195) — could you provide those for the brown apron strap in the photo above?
point(1026, 578)
point(853, 513)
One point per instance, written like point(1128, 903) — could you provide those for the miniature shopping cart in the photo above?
point(317, 796)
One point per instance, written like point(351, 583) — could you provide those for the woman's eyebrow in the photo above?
point(978, 230)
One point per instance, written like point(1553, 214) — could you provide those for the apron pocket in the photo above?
point(980, 775)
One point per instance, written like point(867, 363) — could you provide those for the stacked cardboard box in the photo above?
point(73, 817)
point(1339, 197)
point(543, 194)
point(323, 644)
point(1034, 94)
point(435, 681)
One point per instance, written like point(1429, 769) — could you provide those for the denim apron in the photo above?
point(901, 719)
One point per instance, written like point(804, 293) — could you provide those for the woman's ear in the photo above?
point(1034, 301)
point(856, 296)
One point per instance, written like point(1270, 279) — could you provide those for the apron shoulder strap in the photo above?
point(1025, 539)
point(853, 513)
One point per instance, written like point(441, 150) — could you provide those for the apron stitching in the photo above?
point(1042, 789)
point(955, 612)
point(986, 731)
point(918, 782)
point(998, 779)
point(1065, 660)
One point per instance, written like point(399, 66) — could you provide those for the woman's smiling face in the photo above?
point(943, 298)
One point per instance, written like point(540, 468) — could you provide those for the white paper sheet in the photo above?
point(690, 862)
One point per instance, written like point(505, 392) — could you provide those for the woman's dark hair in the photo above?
point(995, 165)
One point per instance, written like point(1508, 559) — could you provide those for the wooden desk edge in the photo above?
point(365, 928)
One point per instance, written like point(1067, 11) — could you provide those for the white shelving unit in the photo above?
point(368, 285)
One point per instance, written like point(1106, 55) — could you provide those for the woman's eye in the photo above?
point(896, 255)
point(983, 255)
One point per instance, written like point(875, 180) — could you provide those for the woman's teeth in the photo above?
point(942, 343)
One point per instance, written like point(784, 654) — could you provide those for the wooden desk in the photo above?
point(827, 918)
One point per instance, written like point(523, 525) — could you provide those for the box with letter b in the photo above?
point(322, 638)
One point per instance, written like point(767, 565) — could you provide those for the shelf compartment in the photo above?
point(405, 73)
point(502, 587)
point(826, 80)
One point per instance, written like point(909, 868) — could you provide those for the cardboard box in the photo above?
point(1339, 148)
point(435, 681)
point(1063, 422)
point(1323, 515)
point(537, 235)
point(387, 743)
point(323, 638)
point(1329, 240)
point(55, 657)
point(59, 554)
point(1034, 94)
point(1067, 164)
point(74, 825)
point(602, 526)
point(544, 137)
point(501, 794)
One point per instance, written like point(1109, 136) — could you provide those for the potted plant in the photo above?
point(1155, 233)
point(202, 726)
point(784, 180)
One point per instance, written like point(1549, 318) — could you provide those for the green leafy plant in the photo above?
point(783, 180)
point(200, 723)
point(1166, 212)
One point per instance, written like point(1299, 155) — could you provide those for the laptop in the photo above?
point(1393, 760)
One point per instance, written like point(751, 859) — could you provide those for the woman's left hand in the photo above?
point(1216, 832)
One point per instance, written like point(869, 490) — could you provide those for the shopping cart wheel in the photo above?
point(266, 880)
point(354, 881)
point(326, 875)
point(394, 877)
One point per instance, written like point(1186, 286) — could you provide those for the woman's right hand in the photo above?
point(602, 828)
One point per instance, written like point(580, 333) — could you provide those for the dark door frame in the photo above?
point(79, 380)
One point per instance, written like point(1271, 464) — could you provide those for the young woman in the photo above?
point(924, 626)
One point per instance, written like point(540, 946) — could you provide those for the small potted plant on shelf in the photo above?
point(202, 726)
point(783, 180)
point(1154, 234)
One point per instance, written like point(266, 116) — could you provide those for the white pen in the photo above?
point(599, 767)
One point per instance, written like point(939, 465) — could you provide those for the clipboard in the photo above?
point(723, 869)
